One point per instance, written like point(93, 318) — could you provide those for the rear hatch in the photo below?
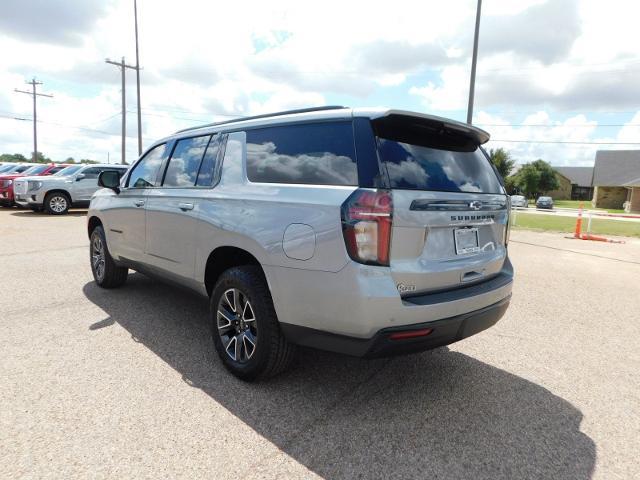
point(450, 210)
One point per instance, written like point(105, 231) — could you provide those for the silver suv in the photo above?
point(56, 194)
point(365, 232)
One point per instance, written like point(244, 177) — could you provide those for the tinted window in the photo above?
point(417, 167)
point(55, 170)
point(92, 172)
point(145, 172)
point(21, 168)
point(35, 170)
point(185, 162)
point(320, 154)
point(207, 169)
point(69, 170)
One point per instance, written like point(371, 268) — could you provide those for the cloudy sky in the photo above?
point(557, 79)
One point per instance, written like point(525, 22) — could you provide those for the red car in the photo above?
point(6, 180)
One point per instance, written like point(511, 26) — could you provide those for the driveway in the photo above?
point(125, 383)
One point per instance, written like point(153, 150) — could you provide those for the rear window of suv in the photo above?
point(320, 154)
point(420, 167)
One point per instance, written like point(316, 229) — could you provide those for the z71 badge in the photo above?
point(402, 288)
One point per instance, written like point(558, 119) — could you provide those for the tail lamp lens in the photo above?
point(367, 217)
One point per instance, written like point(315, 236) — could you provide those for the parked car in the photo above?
point(6, 180)
point(519, 201)
point(299, 235)
point(56, 194)
point(544, 202)
point(6, 166)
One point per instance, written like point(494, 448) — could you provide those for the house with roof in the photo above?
point(574, 183)
point(616, 180)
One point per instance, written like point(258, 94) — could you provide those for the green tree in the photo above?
point(41, 158)
point(13, 157)
point(502, 161)
point(536, 178)
point(86, 160)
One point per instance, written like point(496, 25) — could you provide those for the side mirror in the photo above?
point(79, 177)
point(110, 179)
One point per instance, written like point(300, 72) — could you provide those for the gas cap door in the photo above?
point(299, 241)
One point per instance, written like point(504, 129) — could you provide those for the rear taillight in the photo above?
point(367, 217)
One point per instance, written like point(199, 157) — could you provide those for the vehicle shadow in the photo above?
point(439, 414)
point(31, 213)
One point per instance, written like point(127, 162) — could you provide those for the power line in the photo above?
point(564, 142)
point(557, 126)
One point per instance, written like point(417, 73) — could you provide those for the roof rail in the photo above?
point(266, 115)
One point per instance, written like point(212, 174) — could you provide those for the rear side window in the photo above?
point(209, 161)
point(92, 172)
point(145, 172)
point(321, 154)
point(185, 162)
point(414, 166)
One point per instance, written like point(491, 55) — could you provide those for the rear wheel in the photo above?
point(245, 328)
point(57, 203)
point(105, 271)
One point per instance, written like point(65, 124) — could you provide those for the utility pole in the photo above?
point(135, 15)
point(474, 60)
point(33, 92)
point(123, 66)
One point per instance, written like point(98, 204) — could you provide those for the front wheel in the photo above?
point(57, 203)
point(245, 328)
point(105, 271)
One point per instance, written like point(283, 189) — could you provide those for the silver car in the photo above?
point(519, 201)
point(368, 232)
point(72, 186)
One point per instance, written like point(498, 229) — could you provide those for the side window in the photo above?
point(55, 170)
point(321, 154)
point(144, 174)
point(185, 162)
point(91, 172)
point(207, 172)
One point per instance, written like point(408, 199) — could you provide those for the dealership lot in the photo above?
point(125, 383)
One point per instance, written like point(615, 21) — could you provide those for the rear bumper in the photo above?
point(443, 332)
point(360, 302)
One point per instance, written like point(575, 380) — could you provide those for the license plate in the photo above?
point(466, 240)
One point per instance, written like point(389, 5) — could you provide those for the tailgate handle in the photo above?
point(470, 276)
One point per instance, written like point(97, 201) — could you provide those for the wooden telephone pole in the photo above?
point(34, 83)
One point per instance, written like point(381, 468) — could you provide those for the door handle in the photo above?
point(139, 203)
point(185, 206)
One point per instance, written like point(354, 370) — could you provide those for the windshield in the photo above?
point(6, 168)
point(544, 199)
point(68, 171)
point(35, 170)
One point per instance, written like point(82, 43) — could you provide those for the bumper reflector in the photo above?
point(411, 334)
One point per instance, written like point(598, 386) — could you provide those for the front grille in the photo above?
point(20, 187)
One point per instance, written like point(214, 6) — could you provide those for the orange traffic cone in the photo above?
point(576, 234)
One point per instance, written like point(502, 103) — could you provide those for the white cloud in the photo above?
point(205, 61)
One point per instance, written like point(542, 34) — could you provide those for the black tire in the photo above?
point(272, 353)
point(57, 203)
point(105, 271)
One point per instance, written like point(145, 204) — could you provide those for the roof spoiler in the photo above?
point(433, 124)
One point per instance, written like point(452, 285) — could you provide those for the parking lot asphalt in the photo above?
point(125, 383)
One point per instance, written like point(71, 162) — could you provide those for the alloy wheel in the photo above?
point(58, 204)
point(237, 326)
point(97, 256)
